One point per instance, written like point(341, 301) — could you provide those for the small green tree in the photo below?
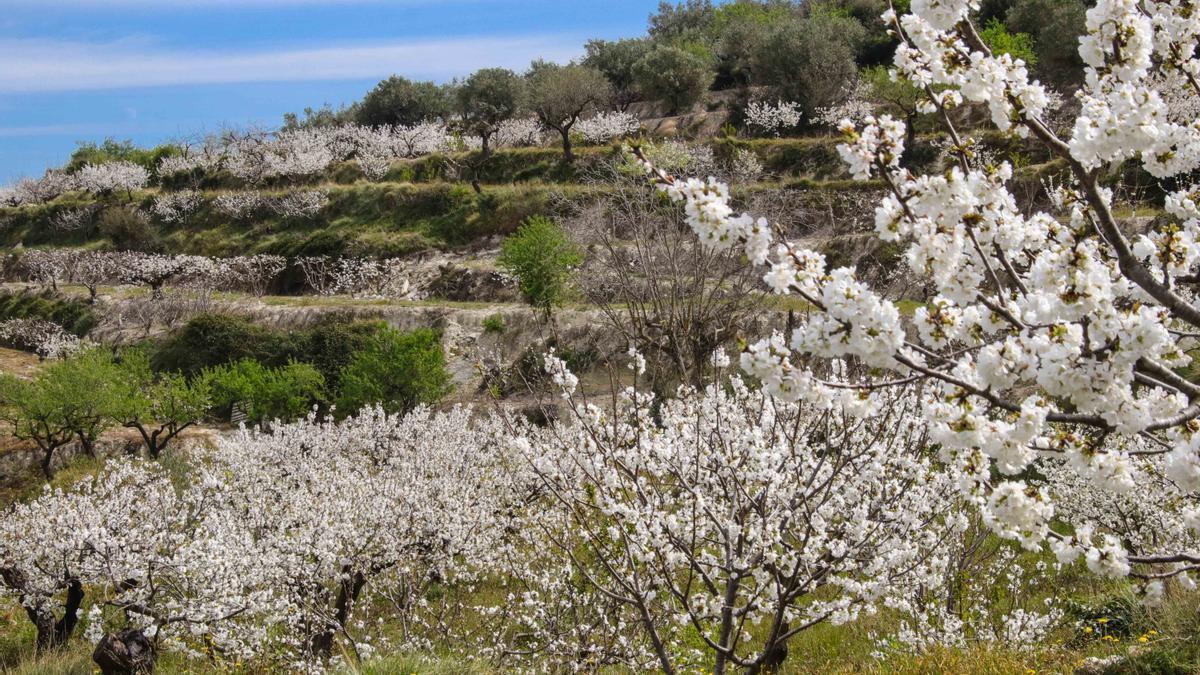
point(72, 399)
point(398, 100)
point(487, 98)
point(560, 95)
point(159, 406)
point(679, 75)
point(34, 415)
point(398, 371)
point(543, 259)
point(86, 386)
point(266, 394)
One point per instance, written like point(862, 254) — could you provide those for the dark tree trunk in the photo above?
point(568, 153)
point(52, 634)
point(129, 652)
point(321, 644)
point(89, 445)
point(47, 461)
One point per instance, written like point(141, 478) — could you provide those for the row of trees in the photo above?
point(704, 531)
point(88, 391)
point(256, 274)
point(808, 52)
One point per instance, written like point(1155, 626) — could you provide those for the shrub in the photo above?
point(396, 370)
point(1019, 45)
point(129, 229)
point(266, 394)
point(211, 340)
point(543, 258)
point(493, 323)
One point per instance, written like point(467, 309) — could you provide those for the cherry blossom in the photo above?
point(1043, 331)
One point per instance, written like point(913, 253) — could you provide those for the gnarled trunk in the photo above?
point(128, 652)
point(52, 633)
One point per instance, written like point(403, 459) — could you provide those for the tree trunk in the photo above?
point(129, 652)
point(89, 445)
point(321, 644)
point(53, 634)
point(47, 460)
point(568, 153)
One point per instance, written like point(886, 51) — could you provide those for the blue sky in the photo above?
point(153, 70)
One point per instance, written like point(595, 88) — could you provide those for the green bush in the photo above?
point(543, 258)
point(266, 394)
point(493, 323)
point(75, 316)
point(211, 340)
point(129, 230)
point(396, 370)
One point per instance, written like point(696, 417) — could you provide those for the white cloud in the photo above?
point(206, 4)
point(48, 65)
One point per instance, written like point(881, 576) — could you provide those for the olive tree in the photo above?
point(486, 99)
point(678, 75)
point(616, 59)
point(401, 101)
point(561, 95)
point(810, 60)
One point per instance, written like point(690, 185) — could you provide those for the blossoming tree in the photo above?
point(740, 518)
point(1047, 337)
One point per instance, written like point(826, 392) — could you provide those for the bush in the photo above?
point(75, 316)
point(396, 370)
point(129, 229)
point(493, 323)
point(543, 258)
point(266, 394)
point(211, 340)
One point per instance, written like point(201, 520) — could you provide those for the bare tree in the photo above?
point(664, 292)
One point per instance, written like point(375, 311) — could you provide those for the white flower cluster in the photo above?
point(606, 126)
point(45, 338)
point(1041, 331)
point(724, 509)
point(773, 118)
point(300, 204)
point(100, 179)
point(519, 133)
point(110, 177)
point(271, 546)
point(238, 205)
point(856, 106)
point(364, 277)
point(175, 207)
